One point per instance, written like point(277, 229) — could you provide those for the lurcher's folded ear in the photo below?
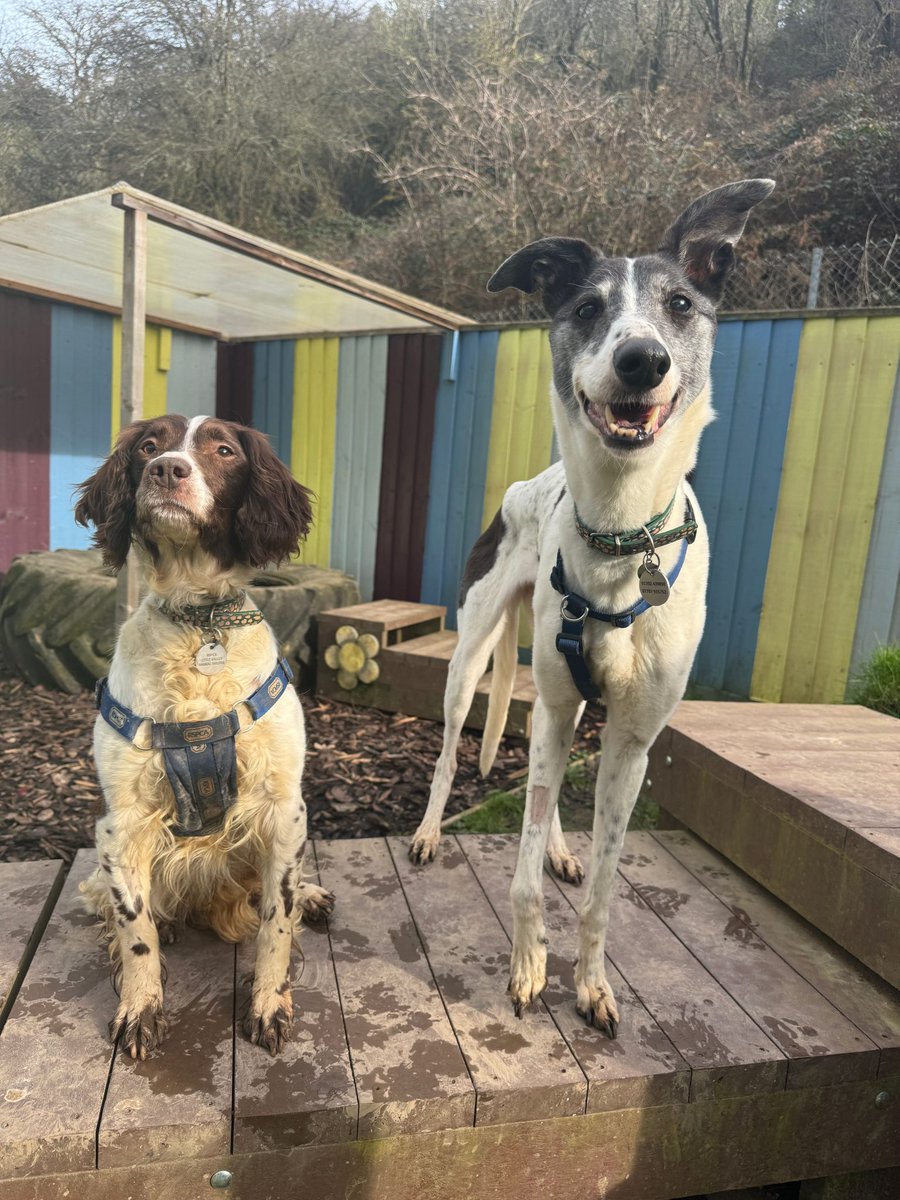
point(275, 512)
point(554, 265)
point(107, 499)
point(704, 236)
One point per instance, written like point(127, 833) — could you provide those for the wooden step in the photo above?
point(750, 1048)
point(414, 673)
point(391, 621)
point(803, 797)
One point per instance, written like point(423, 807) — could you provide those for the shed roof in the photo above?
point(222, 281)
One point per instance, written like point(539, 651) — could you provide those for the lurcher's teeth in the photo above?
point(650, 423)
point(610, 420)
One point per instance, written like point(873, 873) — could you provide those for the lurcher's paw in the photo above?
point(597, 1005)
point(566, 866)
point(423, 847)
point(268, 1023)
point(315, 902)
point(527, 976)
point(143, 1029)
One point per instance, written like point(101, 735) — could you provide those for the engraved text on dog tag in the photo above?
point(653, 584)
point(211, 658)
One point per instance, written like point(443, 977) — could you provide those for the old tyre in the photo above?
point(57, 615)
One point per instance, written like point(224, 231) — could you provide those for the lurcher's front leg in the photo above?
point(125, 860)
point(623, 765)
point(552, 730)
point(285, 897)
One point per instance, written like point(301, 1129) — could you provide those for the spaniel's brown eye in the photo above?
point(225, 451)
point(149, 447)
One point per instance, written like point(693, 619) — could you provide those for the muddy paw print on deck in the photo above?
point(353, 657)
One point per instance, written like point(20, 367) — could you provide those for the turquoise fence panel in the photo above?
point(737, 480)
point(192, 375)
point(462, 431)
point(273, 393)
point(80, 387)
point(359, 431)
point(878, 620)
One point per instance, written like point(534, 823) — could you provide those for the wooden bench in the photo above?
point(752, 1049)
point(803, 797)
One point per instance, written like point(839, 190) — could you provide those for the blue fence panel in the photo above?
point(273, 393)
point(462, 431)
point(80, 412)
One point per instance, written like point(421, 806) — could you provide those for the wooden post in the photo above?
point(134, 309)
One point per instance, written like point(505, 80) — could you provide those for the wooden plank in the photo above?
point(192, 375)
point(28, 891)
point(631, 1154)
point(410, 1074)
point(413, 372)
point(871, 1004)
point(522, 1070)
point(861, 438)
point(25, 352)
point(55, 1052)
point(273, 394)
point(80, 372)
point(305, 1096)
point(639, 1069)
point(822, 1046)
point(359, 435)
point(177, 1103)
point(234, 381)
point(727, 1052)
point(789, 533)
point(878, 618)
point(312, 437)
point(379, 616)
point(878, 850)
point(459, 464)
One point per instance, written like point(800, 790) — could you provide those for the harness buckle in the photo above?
point(576, 618)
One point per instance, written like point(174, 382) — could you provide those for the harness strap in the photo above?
point(199, 756)
point(575, 610)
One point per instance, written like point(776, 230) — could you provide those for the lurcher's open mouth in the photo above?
point(627, 424)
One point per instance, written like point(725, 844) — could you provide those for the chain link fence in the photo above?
point(857, 276)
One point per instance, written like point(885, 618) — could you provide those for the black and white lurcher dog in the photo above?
point(600, 539)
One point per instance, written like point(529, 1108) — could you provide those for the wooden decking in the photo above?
point(806, 799)
point(743, 1030)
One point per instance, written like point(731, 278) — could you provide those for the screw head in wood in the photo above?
point(882, 1099)
point(220, 1179)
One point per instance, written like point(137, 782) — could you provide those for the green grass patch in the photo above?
point(501, 812)
point(877, 683)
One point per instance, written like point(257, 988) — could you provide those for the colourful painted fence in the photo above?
point(409, 442)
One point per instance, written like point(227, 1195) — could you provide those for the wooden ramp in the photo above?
point(414, 653)
point(752, 1049)
point(806, 799)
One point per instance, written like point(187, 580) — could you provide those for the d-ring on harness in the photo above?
point(575, 610)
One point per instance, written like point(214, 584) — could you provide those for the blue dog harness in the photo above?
point(199, 756)
point(575, 610)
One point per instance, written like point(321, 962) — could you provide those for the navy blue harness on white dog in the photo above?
point(199, 756)
point(575, 610)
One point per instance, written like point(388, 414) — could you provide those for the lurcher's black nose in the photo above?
point(641, 364)
point(169, 472)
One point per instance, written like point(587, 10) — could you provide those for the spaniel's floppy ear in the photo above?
point(276, 511)
point(107, 499)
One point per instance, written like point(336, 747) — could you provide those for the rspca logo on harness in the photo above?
point(117, 718)
point(274, 688)
point(198, 733)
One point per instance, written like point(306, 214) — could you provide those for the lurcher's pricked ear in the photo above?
point(107, 499)
point(704, 236)
point(554, 264)
point(275, 512)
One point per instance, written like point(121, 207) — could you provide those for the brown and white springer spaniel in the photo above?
point(205, 502)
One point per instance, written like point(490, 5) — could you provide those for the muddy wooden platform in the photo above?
point(751, 1049)
point(806, 799)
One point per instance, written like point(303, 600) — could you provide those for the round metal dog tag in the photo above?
point(211, 658)
point(653, 584)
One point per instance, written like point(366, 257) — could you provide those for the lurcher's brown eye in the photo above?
point(225, 451)
point(149, 447)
